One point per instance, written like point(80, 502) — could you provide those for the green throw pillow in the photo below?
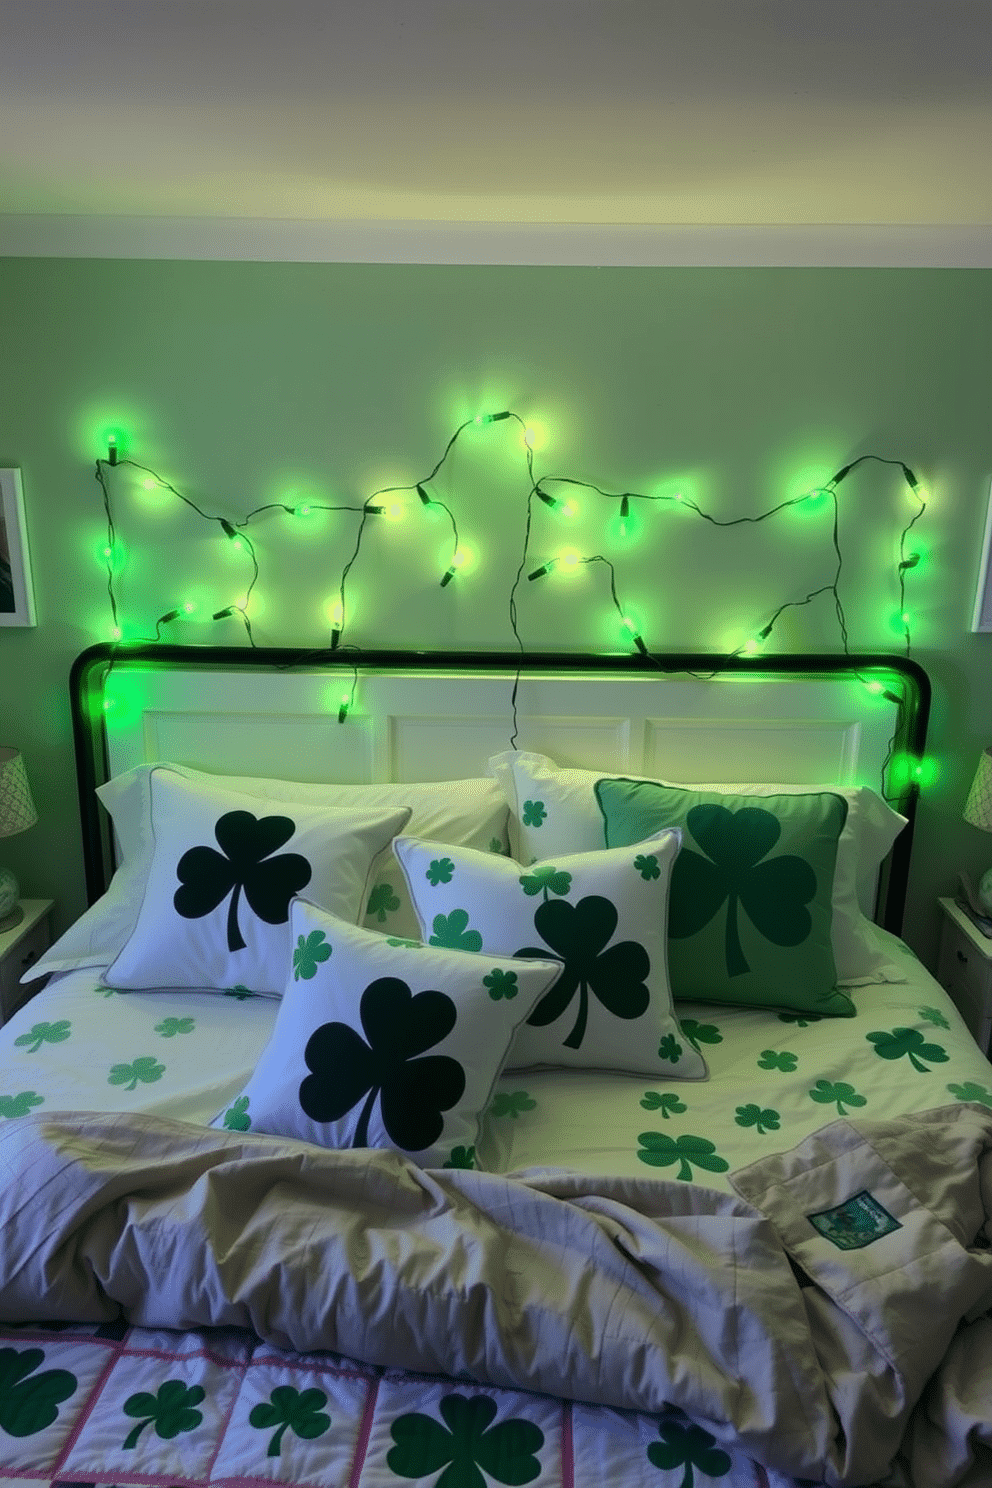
point(749, 913)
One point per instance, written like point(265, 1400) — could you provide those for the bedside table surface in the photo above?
point(34, 910)
point(954, 912)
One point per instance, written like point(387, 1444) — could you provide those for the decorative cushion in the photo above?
point(380, 1042)
point(472, 813)
point(555, 811)
point(749, 915)
point(601, 915)
point(215, 907)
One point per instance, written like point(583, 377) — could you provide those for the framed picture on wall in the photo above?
point(16, 593)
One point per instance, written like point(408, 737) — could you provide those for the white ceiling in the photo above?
point(592, 114)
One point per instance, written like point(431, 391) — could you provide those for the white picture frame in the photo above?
point(16, 589)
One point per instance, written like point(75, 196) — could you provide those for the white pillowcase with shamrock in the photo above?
point(603, 916)
point(383, 1042)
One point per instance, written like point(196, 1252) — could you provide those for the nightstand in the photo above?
point(964, 970)
point(18, 949)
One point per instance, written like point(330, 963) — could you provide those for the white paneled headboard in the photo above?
point(816, 719)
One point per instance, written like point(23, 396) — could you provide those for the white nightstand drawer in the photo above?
point(19, 949)
point(965, 971)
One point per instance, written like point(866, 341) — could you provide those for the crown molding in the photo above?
point(566, 244)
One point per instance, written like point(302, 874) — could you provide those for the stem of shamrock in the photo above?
point(736, 964)
point(275, 1445)
point(235, 940)
point(131, 1440)
point(362, 1129)
point(577, 1034)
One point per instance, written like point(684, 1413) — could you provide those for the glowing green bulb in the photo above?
point(302, 511)
point(568, 509)
point(568, 561)
point(189, 607)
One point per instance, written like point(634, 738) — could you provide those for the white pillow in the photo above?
point(472, 813)
point(224, 868)
point(383, 1043)
point(602, 915)
point(555, 811)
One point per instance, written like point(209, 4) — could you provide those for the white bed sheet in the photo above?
point(80, 1046)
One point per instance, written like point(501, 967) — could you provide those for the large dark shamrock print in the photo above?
point(207, 876)
point(772, 893)
point(688, 1446)
point(578, 935)
point(29, 1402)
point(467, 1442)
point(412, 1091)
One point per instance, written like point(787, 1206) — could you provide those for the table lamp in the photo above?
point(17, 813)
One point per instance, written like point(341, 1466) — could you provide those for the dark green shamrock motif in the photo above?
point(497, 845)
point(934, 1016)
point(412, 1091)
point(20, 1104)
point(667, 1102)
point(670, 1049)
point(700, 1033)
point(28, 1405)
point(382, 901)
point(546, 880)
point(239, 991)
point(310, 951)
point(169, 1027)
point(501, 984)
point(441, 870)
point(507, 1452)
point(289, 1409)
point(971, 1092)
point(801, 1020)
point(145, 1068)
point(908, 1042)
point(827, 1092)
point(511, 1103)
point(206, 876)
point(661, 1151)
point(171, 1410)
point(461, 1157)
point(762, 1121)
point(647, 866)
point(688, 1446)
point(397, 940)
point(773, 893)
point(578, 935)
point(452, 931)
point(534, 813)
point(236, 1116)
point(774, 1059)
point(44, 1033)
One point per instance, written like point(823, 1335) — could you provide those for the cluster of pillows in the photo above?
point(423, 938)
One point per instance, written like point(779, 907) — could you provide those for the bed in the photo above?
point(489, 1070)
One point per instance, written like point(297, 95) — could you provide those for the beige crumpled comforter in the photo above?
point(633, 1294)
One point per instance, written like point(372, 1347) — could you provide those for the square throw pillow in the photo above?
point(472, 813)
point(600, 915)
point(749, 913)
point(380, 1042)
point(555, 810)
point(215, 907)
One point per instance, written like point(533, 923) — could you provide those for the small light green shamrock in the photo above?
point(971, 1092)
point(496, 845)
point(442, 870)
point(145, 1068)
point(44, 1033)
point(534, 813)
point(667, 1102)
point(171, 1026)
point(762, 1121)
point(647, 866)
point(909, 1042)
point(101, 991)
point(670, 1049)
point(461, 1157)
point(19, 1105)
point(501, 984)
point(934, 1016)
point(511, 1103)
point(773, 1060)
point(826, 1093)
point(236, 1117)
point(310, 951)
point(382, 901)
point(700, 1033)
point(546, 880)
point(452, 931)
point(397, 940)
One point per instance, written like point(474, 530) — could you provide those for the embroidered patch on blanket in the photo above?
point(859, 1221)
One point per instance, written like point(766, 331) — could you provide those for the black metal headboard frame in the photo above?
point(92, 667)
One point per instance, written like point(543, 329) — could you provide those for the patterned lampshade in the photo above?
point(978, 807)
point(17, 811)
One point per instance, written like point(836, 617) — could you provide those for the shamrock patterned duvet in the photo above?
point(749, 1279)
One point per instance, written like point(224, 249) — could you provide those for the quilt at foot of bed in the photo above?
point(131, 1406)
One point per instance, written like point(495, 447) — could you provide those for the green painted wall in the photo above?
point(251, 383)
